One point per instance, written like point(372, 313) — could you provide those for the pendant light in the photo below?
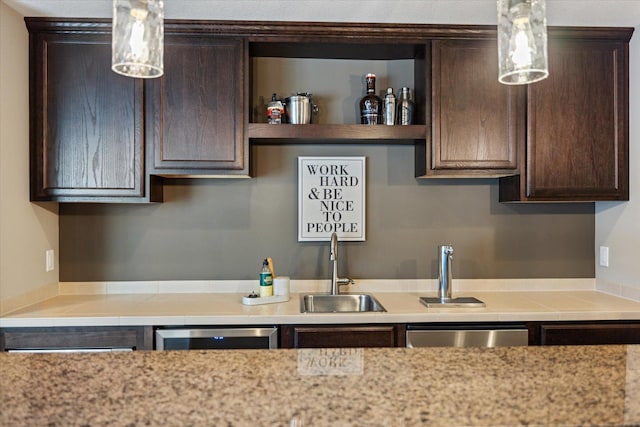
point(522, 41)
point(137, 44)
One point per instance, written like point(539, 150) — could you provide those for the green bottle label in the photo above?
point(266, 279)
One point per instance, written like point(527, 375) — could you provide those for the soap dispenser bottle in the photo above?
point(266, 280)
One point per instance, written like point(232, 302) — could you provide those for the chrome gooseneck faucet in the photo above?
point(336, 282)
point(445, 276)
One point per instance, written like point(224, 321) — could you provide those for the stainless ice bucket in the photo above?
point(300, 108)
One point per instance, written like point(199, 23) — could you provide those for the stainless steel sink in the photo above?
point(343, 303)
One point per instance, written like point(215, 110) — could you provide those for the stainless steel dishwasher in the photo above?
point(467, 335)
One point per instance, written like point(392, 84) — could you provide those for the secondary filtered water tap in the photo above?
point(445, 285)
point(336, 282)
point(445, 276)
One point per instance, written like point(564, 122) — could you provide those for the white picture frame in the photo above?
point(331, 198)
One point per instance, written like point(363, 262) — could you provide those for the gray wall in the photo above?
point(222, 229)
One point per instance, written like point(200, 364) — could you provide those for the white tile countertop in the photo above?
point(220, 303)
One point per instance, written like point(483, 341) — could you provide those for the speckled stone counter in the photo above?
point(542, 386)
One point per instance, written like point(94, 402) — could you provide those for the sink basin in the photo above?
point(343, 303)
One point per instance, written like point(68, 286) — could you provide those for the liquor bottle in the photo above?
point(275, 110)
point(371, 104)
point(389, 107)
point(405, 108)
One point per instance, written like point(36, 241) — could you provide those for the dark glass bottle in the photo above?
point(371, 104)
point(405, 108)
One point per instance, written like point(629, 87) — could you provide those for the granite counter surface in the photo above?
point(541, 386)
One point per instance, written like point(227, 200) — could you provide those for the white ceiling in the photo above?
point(559, 12)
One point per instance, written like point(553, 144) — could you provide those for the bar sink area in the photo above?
point(343, 303)
point(334, 301)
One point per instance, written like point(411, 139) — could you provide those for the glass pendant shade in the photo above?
point(522, 41)
point(137, 45)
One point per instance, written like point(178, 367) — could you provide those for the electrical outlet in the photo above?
point(49, 263)
point(604, 256)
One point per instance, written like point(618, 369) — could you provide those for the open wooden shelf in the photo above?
point(333, 132)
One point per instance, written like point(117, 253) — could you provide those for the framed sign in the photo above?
point(331, 198)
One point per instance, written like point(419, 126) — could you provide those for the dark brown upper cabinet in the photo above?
point(98, 136)
point(477, 124)
point(577, 122)
point(86, 131)
point(195, 112)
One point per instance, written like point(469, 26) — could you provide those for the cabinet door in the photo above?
point(195, 111)
point(589, 334)
point(577, 126)
point(323, 336)
point(477, 123)
point(76, 338)
point(86, 121)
